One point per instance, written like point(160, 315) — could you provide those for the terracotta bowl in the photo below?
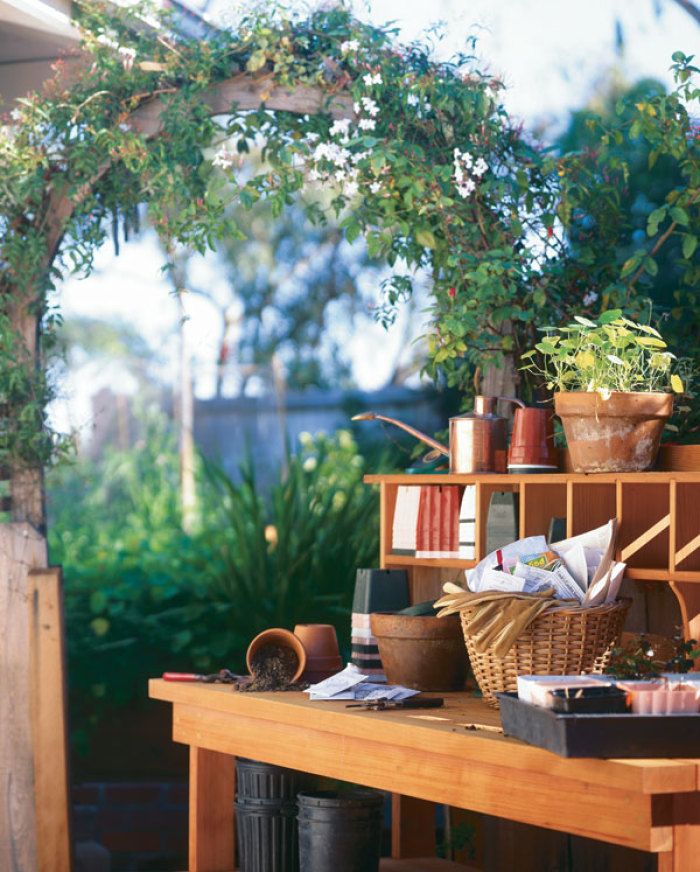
point(283, 638)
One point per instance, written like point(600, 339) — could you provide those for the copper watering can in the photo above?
point(477, 440)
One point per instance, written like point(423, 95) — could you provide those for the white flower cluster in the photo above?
point(371, 107)
point(590, 298)
point(225, 157)
point(349, 45)
point(372, 79)
point(416, 102)
point(467, 171)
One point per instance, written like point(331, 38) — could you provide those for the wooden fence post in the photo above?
point(21, 549)
point(48, 707)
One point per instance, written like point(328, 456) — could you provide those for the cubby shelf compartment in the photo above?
point(658, 515)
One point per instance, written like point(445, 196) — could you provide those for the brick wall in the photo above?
point(142, 824)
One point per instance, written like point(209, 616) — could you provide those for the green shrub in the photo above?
point(143, 597)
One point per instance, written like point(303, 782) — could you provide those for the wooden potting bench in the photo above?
point(652, 805)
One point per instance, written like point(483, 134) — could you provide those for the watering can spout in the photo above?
point(422, 437)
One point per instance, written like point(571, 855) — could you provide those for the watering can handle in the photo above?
point(433, 443)
point(515, 400)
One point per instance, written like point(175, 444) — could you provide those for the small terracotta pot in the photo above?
point(532, 441)
point(421, 652)
point(618, 434)
point(322, 653)
point(283, 638)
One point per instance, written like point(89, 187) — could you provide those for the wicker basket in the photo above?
point(564, 641)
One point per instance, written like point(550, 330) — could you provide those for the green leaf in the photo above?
point(426, 238)
point(585, 321)
point(680, 216)
point(609, 316)
point(100, 626)
point(690, 243)
point(256, 61)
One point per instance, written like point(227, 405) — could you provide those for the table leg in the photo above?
point(412, 827)
point(685, 855)
point(212, 823)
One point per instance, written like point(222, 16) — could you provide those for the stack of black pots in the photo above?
point(334, 831)
point(266, 817)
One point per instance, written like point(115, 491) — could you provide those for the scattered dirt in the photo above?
point(273, 668)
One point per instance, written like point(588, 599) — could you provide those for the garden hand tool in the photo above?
point(223, 676)
point(379, 705)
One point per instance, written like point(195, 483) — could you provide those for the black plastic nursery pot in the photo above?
point(340, 832)
point(266, 813)
point(255, 780)
point(267, 835)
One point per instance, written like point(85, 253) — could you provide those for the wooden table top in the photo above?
point(439, 730)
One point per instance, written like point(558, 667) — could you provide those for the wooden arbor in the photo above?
point(33, 781)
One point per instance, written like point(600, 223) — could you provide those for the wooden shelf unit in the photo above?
point(658, 515)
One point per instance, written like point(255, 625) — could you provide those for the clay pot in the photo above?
point(283, 638)
point(618, 434)
point(421, 652)
point(532, 441)
point(322, 655)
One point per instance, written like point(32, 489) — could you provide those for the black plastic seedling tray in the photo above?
point(601, 735)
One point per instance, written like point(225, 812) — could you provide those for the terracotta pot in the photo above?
point(532, 441)
point(421, 652)
point(618, 434)
point(322, 654)
point(283, 638)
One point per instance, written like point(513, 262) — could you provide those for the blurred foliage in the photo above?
point(143, 597)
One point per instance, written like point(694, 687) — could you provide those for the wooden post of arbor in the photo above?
point(34, 789)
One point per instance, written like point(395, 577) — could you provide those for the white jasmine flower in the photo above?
point(340, 175)
point(413, 99)
point(367, 124)
point(590, 298)
point(341, 127)
point(375, 187)
point(349, 45)
point(351, 189)
point(427, 106)
point(125, 128)
point(480, 167)
point(356, 107)
point(312, 137)
point(466, 188)
point(372, 79)
point(370, 106)
point(359, 155)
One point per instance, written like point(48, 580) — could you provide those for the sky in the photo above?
point(552, 56)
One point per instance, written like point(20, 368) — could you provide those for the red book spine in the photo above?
point(436, 519)
point(423, 525)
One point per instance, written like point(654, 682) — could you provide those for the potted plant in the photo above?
point(614, 382)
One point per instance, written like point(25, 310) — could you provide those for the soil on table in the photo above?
point(273, 668)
